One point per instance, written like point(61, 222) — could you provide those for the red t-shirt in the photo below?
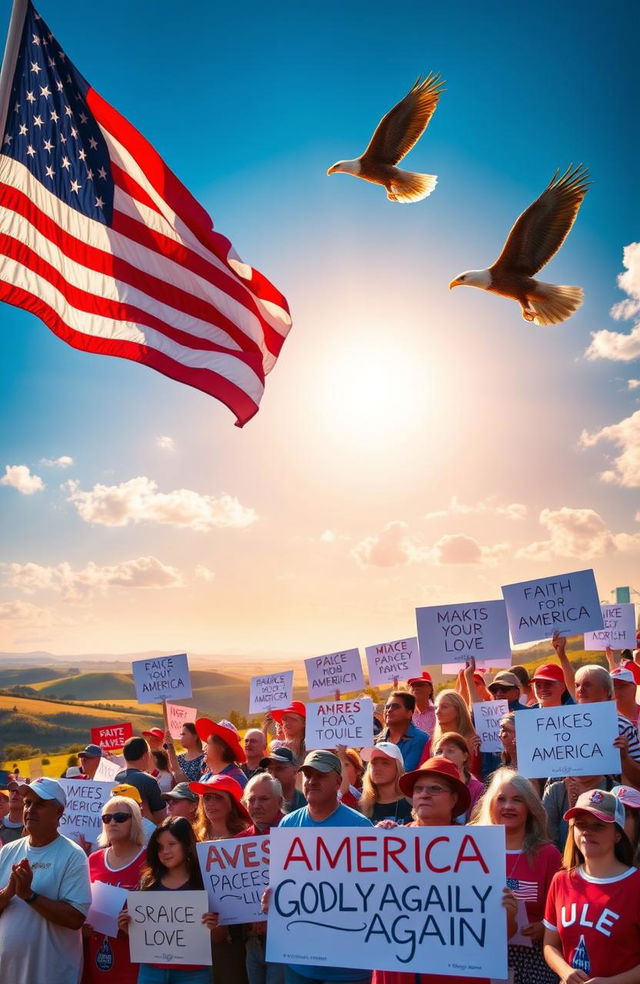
point(598, 920)
point(107, 958)
point(530, 881)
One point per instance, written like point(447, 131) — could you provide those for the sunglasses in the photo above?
point(118, 817)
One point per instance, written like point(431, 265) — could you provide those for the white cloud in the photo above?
point(626, 435)
point(633, 384)
point(618, 345)
point(77, 585)
point(204, 573)
point(166, 443)
point(391, 547)
point(19, 477)
point(64, 461)
point(138, 501)
point(457, 548)
point(512, 510)
point(579, 533)
point(31, 616)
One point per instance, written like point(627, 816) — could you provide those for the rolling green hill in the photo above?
point(28, 676)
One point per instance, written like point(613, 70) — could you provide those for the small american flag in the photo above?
point(101, 241)
point(525, 890)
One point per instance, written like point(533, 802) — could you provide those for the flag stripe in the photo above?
point(99, 323)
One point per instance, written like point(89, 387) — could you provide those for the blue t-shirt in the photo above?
point(343, 816)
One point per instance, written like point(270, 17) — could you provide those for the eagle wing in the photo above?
point(542, 228)
point(402, 127)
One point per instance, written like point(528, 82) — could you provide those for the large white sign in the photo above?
point(107, 901)
point(165, 678)
point(454, 633)
point(392, 661)
point(572, 740)
point(177, 716)
point(83, 812)
point(407, 899)
point(619, 630)
point(567, 604)
point(335, 673)
point(235, 873)
point(167, 928)
point(487, 715)
point(340, 722)
point(270, 692)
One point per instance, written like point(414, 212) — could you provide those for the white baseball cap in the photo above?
point(46, 789)
point(384, 749)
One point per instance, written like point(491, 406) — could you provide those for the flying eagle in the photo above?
point(535, 237)
point(394, 137)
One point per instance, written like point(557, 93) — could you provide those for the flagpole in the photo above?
point(11, 48)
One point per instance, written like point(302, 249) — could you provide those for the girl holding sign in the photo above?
point(592, 915)
point(512, 802)
point(172, 866)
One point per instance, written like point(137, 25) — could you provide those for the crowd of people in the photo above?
point(572, 895)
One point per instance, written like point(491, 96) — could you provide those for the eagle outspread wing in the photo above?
point(542, 228)
point(402, 127)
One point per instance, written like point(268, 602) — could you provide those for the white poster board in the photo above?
point(165, 678)
point(568, 603)
point(167, 927)
point(454, 633)
point(619, 630)
point(108, 770)
point(177, 716)
point(493, 664)
point(407, 899)
point(487, 715)
point(235, 873)
point(336, 672)
point(390, 661)
point(107, 902)
point(572, 740)
point(340, 722)
point(83, 812)
point(270, 692)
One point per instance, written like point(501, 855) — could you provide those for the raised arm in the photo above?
point(559, 643)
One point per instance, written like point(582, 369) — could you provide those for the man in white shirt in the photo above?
point(45, 896)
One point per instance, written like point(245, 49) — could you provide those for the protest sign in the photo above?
point(270, 692)
point(340, 722)
point(335, 672)
point(107, 770)
point(491, 664)
point(235, 873)
point(486, 716)
point(178, 716)
point(391, 661)
point(571, 740)
point(107, 901)
point(167, 928)
point(83, 812)
point(567, 604)
point(454, 633)
point(619, 630)
point(165, 678)
point(111, 735)
point(404, 899)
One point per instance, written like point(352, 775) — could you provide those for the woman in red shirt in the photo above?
point(532, 860)
point(592, 915)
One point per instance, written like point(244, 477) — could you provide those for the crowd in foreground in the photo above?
point(571, 844)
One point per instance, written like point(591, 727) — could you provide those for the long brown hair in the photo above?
point(572, 856)
point(154, 870)
point(236, 822)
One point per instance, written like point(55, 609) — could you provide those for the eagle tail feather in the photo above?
point(553, 303)
point(407, 186)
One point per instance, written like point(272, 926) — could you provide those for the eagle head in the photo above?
point(345, 167)
point(472, 278)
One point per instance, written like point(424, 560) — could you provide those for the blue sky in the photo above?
point(392, 395)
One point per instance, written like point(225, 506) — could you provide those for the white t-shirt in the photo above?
point(32, 949)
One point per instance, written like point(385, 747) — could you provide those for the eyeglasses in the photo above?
point(431, 790)
point(118, 817)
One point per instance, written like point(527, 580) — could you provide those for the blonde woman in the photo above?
point(511, 801)
point(382, 798)
point(119, 861)
point(452, 714)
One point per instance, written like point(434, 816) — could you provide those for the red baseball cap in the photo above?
point(153, 733)
point(222, 784)
point(424, 678)
point(549, 671)
point(628, 672)
point(295, 707)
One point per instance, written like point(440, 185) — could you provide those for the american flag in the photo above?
point(101, 241)
point(525, 890)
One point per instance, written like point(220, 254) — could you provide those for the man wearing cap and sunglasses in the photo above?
point(45, 896)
